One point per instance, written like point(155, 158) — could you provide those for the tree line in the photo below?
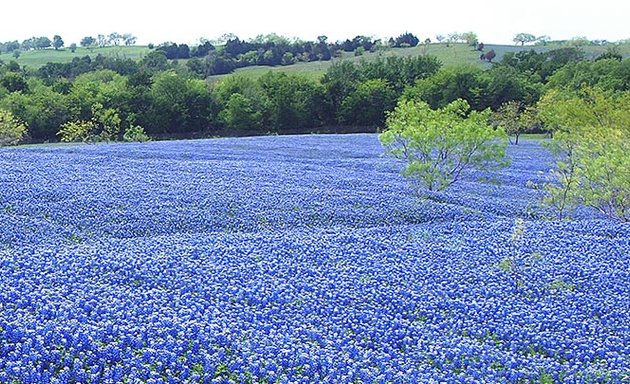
point(174, 100)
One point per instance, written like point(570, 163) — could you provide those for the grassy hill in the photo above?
point(452, 54)
point(36, 59)
point(449, 55)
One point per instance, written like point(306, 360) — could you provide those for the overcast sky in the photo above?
point(185, 21)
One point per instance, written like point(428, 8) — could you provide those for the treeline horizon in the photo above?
point(169, 99)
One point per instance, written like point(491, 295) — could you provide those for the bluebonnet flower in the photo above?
point(297, 259)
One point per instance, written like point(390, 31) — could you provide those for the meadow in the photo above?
point(298, 259)
point(36, 58)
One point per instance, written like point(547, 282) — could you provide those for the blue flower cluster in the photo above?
point(297, 260)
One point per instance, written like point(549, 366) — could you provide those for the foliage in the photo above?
point(519, 263)
point(368, 104)
point(294, 102)
point(77, 130)
point(515, 118)
point(178, 103)
point(591, 141)
point(105, 125)
point(57, 42)
point(441, 146)
point(14, 82)
point(524, 38)
point(135, 133)
point(450, 84)
point(12, 130)
point(407, 39)
point(240, 115)
point(42, 109)
point(607, 74)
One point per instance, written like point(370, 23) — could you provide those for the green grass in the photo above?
point(454, 54)
point(449, 55)
point(36, 59)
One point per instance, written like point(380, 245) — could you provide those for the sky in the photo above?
point(185, 21)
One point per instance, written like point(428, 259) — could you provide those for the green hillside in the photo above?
point(37, 58)
point(451, 54)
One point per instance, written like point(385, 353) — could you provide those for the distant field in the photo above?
point(452, 54)
point(449, 55)
point(36, 59)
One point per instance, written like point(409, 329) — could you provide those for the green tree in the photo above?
point(515, 118)
point(73, 47)
point(295, 102)
point(57, 42)
point(135, 133)
point(524, 38)
point(470, 38)
point(14, 82)
point(77, 130)
point(42, 109)
point(340, 80)
point(178, 103)
point(440, 146)
point(240, 115)
point(367, 105)
point(12, 130)
point(591, 142)
point(88, 42)
point(607, 74)
point(449, 84)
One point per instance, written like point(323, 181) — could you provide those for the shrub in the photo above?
point(135, 133)
point(12, 131)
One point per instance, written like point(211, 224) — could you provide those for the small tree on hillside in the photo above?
point(12, 131)
point(524, 38)
point(441, 146)
point(57, 42)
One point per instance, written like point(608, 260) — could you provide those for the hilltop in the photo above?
point(449, 54)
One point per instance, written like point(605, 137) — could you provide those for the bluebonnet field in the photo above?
point(298, 259)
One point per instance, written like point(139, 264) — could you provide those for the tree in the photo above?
point(239, 114)
point(101, 41)
point(524, 38)
point(591, 142)
point(441, 146)
point(115, 38)
point(367, 105)
point(579, 42)
point(42, 42)
point(470, 38)
point(543, 40)
point(12, 130)
point(77, 130)
point(407, 39)
point(14, 82)
point(515, 118)
point(42, 109)
point(129, 39)
point(73, 47)
point(57, 42)
point(88, 42)
point(450, 84)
